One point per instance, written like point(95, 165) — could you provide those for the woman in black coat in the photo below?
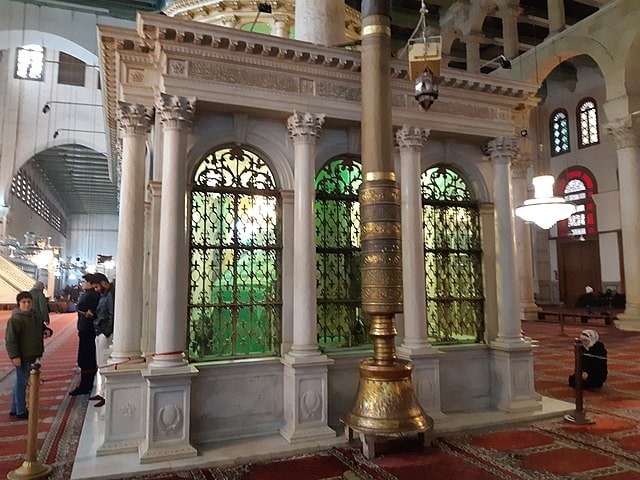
point(594, 361)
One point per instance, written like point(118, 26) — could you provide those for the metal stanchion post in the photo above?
point(31, 468)
point(578, 416)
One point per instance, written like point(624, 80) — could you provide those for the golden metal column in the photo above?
point(385, 403)
point(31, 468)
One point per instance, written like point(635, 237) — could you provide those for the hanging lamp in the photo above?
point(545, 210)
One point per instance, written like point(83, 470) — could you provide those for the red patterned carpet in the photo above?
point(551, 449)
point(61, 416)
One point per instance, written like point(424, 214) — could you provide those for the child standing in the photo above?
point(24, 343)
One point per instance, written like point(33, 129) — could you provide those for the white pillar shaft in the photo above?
point(130, 259)
point(172, 258)
point(304, 250)
point(510, 34)
point(473, 56)
point(281, 29)
point(557, 20)
point(523, 248)
point(629, 175)
point(503, 151)
point(320, 22)
point(304, 128)
point(410, 141)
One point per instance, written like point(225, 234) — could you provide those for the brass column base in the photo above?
point(386, 403)
point(30, 471)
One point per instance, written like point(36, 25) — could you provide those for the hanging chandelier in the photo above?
point(545, 210)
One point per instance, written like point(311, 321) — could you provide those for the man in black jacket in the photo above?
point(87, 305)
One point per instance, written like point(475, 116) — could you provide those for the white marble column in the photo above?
point(509, 17)
point(305, 367)
point(168, 377)
point(171, 315)
point(322, 22)
point(512, 359)
point(135, 123)
point(415, 345)
point(282, 25)
point(626, 133)
point(472, 41)
point(4, 217)
point(528, 308)
point(557, 20)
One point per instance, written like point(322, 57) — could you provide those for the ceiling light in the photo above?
point(545, 210)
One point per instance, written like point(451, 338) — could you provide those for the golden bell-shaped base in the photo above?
point(386, 403)
point(30, 471)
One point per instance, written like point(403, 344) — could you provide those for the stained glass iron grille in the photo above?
point(559, 132)
point(452, 257)
point(588, 123)
point(341, 323)
point(235, 258)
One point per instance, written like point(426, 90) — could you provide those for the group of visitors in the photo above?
point(95, 327)
point(28, 327)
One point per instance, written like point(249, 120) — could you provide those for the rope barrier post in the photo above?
point(31, 468)
point(578, 416)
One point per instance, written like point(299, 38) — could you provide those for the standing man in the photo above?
point(40, 305)
point(87, 305)
point(103, 326)
point(24, 344)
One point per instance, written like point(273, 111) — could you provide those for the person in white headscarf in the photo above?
point(594, 361)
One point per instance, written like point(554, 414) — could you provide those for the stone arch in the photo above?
point(275, 152)
point(466, 165)
point(536, 64)
point(632, 71)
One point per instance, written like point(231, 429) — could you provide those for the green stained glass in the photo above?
point(341, 323)
point(235, 258)
point(453, 258)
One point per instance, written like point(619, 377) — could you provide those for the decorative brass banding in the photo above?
point(376, 29)
point(373, 176)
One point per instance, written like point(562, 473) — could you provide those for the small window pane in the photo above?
point(588, 123)
point(30, 62)
point(559, 133)
point(71, 70)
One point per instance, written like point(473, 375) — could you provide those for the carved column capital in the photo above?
point(510, 12)
point(175, 112)
point(305, 127)
point(412, 139)
point(229, 20)
point(283, 19)
point(134, 119)
point(503, 149)
point(625, 131)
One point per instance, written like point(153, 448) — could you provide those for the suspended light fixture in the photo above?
point(425, 53)
point(545, 210)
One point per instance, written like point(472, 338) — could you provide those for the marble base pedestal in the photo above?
point(529, 312)
point(125, 410)
point(306, 399)
point(629, 319)
point(425, 378)
point(168, 399)
point(512, 378)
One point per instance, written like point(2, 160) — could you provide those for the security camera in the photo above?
point(55, 134)
point(46, 108)
point(504, 62)
point(524, 132)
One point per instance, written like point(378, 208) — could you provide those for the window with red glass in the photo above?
point(577, 185)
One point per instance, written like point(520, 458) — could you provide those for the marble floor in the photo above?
point(88, 466)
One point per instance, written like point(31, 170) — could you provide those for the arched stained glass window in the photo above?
point(577, 185)
point(453, 258)
point(341, 323)
point(559, 132)
point(235, 257)
point(587, 114)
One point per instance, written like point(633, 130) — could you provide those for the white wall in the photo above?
point(600, 159)
point(92, 235)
